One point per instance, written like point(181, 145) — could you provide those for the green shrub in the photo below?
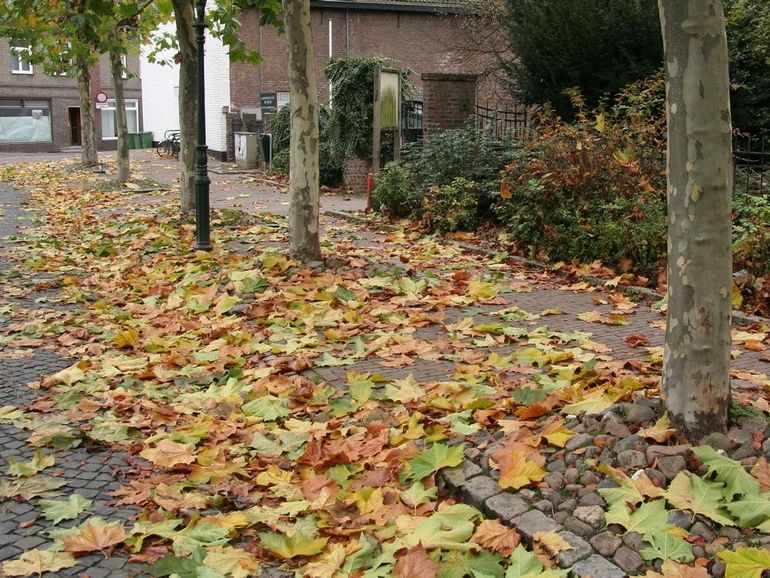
point(751, 232)
point(330, 170)
point(281, 162)
point(395, 192)
point(452, 207)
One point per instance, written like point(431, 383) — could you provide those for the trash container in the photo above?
point(267, 148)
point(146, 140)
point(134, 140)
point(247, 151)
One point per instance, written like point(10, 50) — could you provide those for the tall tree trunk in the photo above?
point(88, 155)
point(696, 367)
point(188, 101)
point(116, 64)
point(304, 242)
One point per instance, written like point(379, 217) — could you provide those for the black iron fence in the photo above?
point(751, 156)
point(502, 123)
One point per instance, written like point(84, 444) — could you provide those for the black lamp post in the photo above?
point(202, 181)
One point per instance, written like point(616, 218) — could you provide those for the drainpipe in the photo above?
point(331, 53)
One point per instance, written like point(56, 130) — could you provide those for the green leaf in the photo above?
point(417, 494)
point(28, 488)
point(625, 493)
point(38, 463)
point(183, 567)
point(528, 396)
point(433, 459)
point(298, 544)
point(57, 510)
point(267, 408)
point(461, 564)
point(667, 547)
point(462, 422)
point(523, 564)
point(751, 511)
point(199, 535)
point(745, 562)
point(734, 476)
point(255, 285)
point(650, 517)
point(691, 492)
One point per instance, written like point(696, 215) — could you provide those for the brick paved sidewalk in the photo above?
point(88, 471)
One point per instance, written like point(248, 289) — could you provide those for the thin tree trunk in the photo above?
point(304, 243)
point(188, 101)
point(88, 155)
point(116, 63)
point(696, 368)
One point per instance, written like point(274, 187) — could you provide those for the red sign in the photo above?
point(101, 97)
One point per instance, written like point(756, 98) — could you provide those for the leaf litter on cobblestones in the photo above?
point(218, 369)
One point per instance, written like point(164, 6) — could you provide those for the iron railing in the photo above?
point(751, 157)
point(502, 123)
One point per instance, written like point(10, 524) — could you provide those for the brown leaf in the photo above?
point(637, 340)
point(494, 536)
point(754, 345)
point(94, 534)
point(761, 471)
point(415, 563)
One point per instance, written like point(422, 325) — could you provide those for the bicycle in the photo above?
point(169, 147)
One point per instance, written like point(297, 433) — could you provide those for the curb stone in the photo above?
point(738, 317)
point(467, 482)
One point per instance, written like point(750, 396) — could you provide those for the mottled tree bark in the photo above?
point(88, 154)
point(304, 240)
point(116, 65)
point(696, 368)
point(188, 101)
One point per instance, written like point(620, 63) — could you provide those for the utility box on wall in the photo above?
point(247, 150)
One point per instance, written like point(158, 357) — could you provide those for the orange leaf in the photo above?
point(494, 536)
point(168, 454)
point(505, 190)
point(94, 534)
point(415, 563)
point(519, 471)
point(637, 340)
point(754, 345)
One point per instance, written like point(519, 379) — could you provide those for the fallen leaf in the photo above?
point(37, 562)
point(497, 537)
point(415, 563)
point(93, 534)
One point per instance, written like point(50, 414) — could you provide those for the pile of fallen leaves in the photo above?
point(227, 374)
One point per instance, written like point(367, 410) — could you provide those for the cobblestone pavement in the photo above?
point(92, 471)
point(88, 471)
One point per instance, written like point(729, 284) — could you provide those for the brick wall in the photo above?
point(421, 41)
point(355, 173)
point(448, 100)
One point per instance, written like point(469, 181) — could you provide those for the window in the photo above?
point(23, 120)
point(18, 64)
point(281, 98)
point(109, 122)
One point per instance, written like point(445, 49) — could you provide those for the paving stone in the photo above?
point(606, 543)
point(477, 490)
point(531, 522)
point(632, 459)
point(506, 506)
point(591, 515)
point(580, 550)
point(579, 527)
point(632, 442)
point(670, 466)
point(627, 559)
point(596, 567)
point(579, 441)
point(454, 478)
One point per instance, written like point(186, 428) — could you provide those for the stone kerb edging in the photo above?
point(738, 317)
point(469, 482)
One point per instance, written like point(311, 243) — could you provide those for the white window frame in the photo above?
point(132, 104)
point(282, 97)
point(25, 67)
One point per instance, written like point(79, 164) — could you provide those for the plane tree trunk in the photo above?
point(696, 368)
point(304, 239)
point(88, 154)
point(188, 101)
point(116, 64)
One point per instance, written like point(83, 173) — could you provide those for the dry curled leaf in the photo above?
point(415, 563)
point(497, 537)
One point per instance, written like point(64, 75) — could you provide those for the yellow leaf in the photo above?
point(327, 565)
point(556, 432)
point(745, 562)
point(552, 542)
point(660, 432)
point(232, 561)
point(127, 338)
point(168, 454)
point(601, 122)
point(37, 562)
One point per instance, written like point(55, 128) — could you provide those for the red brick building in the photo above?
point(40, 112)
point(420, 34)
